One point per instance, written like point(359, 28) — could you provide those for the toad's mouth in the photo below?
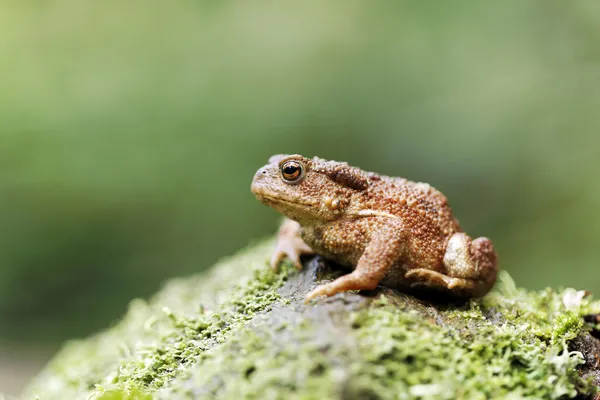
point(275, 200)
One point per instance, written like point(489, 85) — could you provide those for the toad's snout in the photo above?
point(260, 173)
point(259, 180)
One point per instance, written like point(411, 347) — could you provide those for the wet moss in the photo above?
point(242, 331)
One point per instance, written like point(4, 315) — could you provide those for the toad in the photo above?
point(387, 230)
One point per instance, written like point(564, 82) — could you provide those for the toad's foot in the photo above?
point(289, 245)
point(436, 279)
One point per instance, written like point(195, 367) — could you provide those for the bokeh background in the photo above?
point(130, 131)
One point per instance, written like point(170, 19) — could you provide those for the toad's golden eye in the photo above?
point(292, 171)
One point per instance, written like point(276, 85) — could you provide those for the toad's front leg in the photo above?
point(289, 244)
point(381, 253)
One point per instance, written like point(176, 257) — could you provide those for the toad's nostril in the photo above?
point(264, 172)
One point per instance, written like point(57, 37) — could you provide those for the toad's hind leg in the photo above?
point(470, 267)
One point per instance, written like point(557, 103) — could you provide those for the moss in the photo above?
point(120, 395)
point(242, 331)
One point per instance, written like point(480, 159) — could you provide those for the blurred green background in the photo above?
point(130, 132)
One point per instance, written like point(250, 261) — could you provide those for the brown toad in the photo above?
point(389, 230)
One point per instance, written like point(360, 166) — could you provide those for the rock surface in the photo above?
point(243, 331)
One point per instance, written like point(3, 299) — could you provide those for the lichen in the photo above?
point(242, 331)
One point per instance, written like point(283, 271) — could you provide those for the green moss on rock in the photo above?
point(243, 331)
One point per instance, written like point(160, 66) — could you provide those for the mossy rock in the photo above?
point(241, 331)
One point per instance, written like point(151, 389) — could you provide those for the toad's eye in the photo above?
point(292, 171)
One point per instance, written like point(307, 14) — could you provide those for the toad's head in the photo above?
point(309, 190)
